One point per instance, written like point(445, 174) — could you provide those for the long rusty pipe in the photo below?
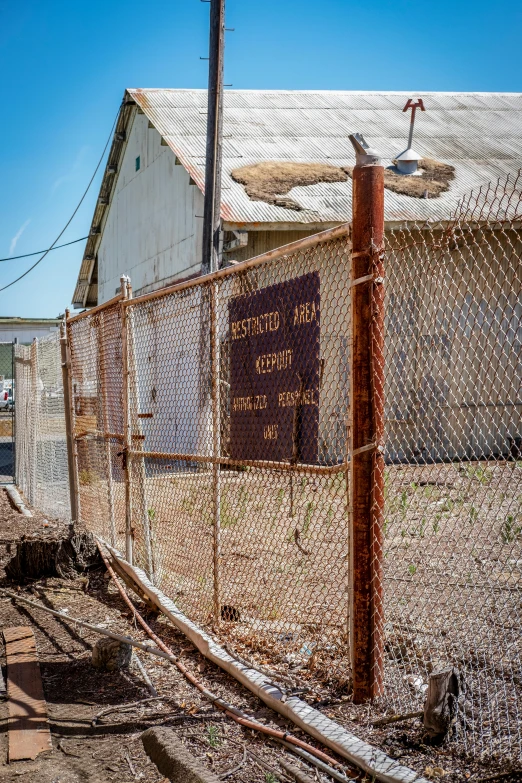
point(237, 715)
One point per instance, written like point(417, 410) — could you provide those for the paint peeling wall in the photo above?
point(152, 232)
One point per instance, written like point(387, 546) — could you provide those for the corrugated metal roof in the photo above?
point(480, 134)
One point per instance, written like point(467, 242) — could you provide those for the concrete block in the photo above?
point(173, 759)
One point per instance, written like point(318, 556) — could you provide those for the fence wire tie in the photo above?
point(373, 250)
point(366, 279)
point(368, 447)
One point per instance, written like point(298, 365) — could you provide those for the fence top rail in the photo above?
point(344, 229)
point(98, 308)
point(270, 255)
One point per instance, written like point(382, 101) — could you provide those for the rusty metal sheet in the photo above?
point(29, 732)
point(274, 372)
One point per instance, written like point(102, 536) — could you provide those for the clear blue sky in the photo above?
point(65, 66)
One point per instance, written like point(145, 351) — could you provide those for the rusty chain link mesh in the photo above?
point(255, 540)
point(453, 479)
point(215, 433)
point(40, 438)
point(97, 412)
point(236, 476)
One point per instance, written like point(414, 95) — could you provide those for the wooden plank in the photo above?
point(29, 732)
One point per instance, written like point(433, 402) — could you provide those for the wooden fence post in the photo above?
point(366, 489)
point(72, 466)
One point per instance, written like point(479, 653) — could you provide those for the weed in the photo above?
point(87, 477)
point(509, 531)
point(412, 569)
point(308, 517)
point(422, 527)
point(473, 514)
point(151, 514)
point(436, 526)
point(213, 736)
point(447, 505)
point(189, 503)
point(483, 475)
point(404, 501)
point(271, 778)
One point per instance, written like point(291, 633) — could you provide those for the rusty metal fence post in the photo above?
point(127, 423)
point(72, 466)
point(104, 398)
point(366, 489)
point(216, 445)
point(135, 455)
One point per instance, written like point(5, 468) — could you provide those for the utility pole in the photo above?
point(212, 211)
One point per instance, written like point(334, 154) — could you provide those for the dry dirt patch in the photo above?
point(434, 180)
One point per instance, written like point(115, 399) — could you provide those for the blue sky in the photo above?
point(65, 66)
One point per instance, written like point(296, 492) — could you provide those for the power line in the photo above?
point(37, 252)
point(75, 211)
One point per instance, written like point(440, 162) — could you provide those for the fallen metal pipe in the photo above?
point(221, 704)
point(315, 723)
point(237, 715)
point(17, 500)
point(316, 762)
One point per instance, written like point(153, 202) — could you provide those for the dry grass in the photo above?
point(270, 180)
point(434, 180)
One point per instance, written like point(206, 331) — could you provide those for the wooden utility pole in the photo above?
point(212, 211)
point(366, 485)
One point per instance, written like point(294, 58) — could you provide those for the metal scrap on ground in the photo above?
point(29, 733)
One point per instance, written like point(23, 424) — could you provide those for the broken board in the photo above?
point(29, 732)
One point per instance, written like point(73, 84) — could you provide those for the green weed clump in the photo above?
point(510, 530)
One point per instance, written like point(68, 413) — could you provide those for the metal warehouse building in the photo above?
point(148, 224)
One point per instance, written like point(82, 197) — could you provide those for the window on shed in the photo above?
point(138, 163)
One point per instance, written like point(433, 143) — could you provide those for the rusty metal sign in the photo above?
point(274, 372)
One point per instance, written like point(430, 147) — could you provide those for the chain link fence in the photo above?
point(211, 431)
point(6, 413)
point(453, 479)
point(40, 440)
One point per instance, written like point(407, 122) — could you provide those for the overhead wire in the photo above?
point(3, 288)
point(37, 252)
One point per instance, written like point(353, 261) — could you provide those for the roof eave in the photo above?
point(83, 287)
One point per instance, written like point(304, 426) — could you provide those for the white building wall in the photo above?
point(25, 333)
point(151, 232)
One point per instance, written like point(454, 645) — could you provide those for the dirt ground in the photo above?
point(109, 748)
